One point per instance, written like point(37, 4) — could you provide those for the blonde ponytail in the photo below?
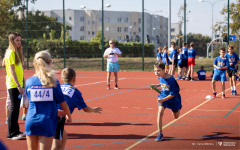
point(42, 62)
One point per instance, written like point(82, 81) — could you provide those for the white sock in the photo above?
point(231, 87)
point(234, 88)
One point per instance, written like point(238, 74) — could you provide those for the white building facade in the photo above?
point(119, 25)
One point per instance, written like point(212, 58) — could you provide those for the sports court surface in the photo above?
point(128, 120)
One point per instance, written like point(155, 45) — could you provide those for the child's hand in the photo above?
point(231, 64)
point(160, 100)
point(68, 120)
point(61, 113)
point(97, 110)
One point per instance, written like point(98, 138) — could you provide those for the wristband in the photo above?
point(18, 85)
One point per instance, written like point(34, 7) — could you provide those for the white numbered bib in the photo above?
point(202, 73)
point(41, 94)
point(67, 90)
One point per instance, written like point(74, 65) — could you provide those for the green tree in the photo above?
point(200, 43)
point(234, 14)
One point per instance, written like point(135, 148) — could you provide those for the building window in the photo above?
point(134, 33)
point(172, 30)
point(119, 20)
point(88, 22)
point(108, 20)
point(93, 33)
point(119, 29)
point(139, 29)
point(126, 20)
point(82, 28)
point(139, 20)
point(81, 19)
point(119, 38)
point(134, 23)
point(70, 18)
point(125, 29)
point(172, 37)
point(89, 32)
point(93, 22)
point(81, 37)
point(107, 29)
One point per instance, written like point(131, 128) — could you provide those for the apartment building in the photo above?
point(120, 25)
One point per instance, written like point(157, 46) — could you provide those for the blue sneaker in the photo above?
point(232, 92)
point(159, 137)
point(235, 92)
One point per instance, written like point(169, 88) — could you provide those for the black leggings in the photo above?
point(13, 126)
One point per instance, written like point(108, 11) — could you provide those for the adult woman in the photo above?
point(14, 81)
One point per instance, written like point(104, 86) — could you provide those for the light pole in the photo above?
point(212, 3)
point(95, 15)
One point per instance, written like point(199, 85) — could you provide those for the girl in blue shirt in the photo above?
point(169, 96)
point(74, 100)
point(44, 93)
point(159, 54)
point(165, 58)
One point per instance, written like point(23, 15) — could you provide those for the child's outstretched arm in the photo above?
point(95, 109)
point(65, 108)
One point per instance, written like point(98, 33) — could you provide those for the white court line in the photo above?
point(97, 82)
point(3, 97)
point(135, 144)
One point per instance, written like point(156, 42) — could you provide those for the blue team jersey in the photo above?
point(220, 62)
point(42, 112)
point(73, 97)
point(159, 56)
point(170, 87)
point(232, 59)
point(174, 52)
point(184, 53)
point(164, 57)
point(180, 56)
point(191, 53)
point(201, 75)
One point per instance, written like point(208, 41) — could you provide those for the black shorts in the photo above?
point(231, 72)
point(175, 63)
point(184, 63)
point(60, 128)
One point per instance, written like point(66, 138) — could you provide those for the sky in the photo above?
point(199, 14)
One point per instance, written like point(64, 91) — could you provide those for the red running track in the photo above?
point(128, 120)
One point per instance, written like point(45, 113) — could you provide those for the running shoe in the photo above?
point(232, 92)
point(214, 94)
point(223, 96)
point(116, 87)
point(108, 87)
point(23, 117)
point(159, 137)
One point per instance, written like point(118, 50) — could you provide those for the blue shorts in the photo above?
point(219, 75)
point(112, 67)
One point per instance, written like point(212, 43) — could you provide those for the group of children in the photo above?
point(225, 62)
point(183, 58)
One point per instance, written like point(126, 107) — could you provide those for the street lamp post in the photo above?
point(212, 3)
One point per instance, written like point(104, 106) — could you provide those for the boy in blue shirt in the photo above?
point(159, 54)
point(169, 96)
point(74, 100)
point(232, 64)
point(220, 67)
point(201, 73)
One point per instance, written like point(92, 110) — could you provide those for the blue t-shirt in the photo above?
point(164, 57)
point(42, 112)
point(220, 62)
point(180, 56)
point(170, 87)
point(191, 53)
point(73, 97)
point(232, 59)
point(201, 75)
point(159, 56)
point(185, 53)
point(174, 52)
